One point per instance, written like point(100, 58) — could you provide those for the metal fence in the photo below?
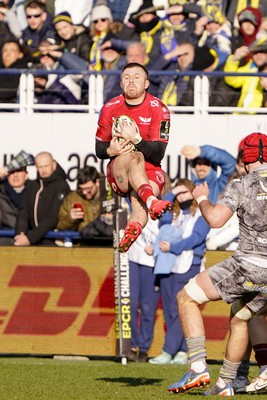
point(26, 103)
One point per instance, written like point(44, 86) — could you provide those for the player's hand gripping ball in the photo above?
point(116, 127)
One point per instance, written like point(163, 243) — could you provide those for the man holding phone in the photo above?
point(82, 206)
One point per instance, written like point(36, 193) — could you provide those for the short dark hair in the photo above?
point(35, 4)
point(87, 174)
point(200, 161)
point(133, 65)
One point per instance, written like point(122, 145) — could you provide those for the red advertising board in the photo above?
point(61, 301)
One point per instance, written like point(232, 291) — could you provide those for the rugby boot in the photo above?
point(258, 385)
point(220, 388)
point(131, 233)
point(158, 207)
point(240, 382)
point(190, 380)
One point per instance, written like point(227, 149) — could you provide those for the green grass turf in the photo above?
point(49, 379)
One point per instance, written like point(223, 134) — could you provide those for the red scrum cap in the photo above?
point(254, 148)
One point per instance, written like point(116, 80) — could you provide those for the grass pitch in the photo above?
point(49, 379)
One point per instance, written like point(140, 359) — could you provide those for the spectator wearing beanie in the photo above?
point(101, 19)
point(73, 37)
point(249, 21)
point(149, 28)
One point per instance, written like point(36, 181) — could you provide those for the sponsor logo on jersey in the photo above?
point(254, 287)
point(154, 103)
point(160, 177)
point(261, 240)
point(164, 129)
point(145, 120)
point(109, 104)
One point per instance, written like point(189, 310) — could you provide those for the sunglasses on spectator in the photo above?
point(98, 20)
point(34, 16)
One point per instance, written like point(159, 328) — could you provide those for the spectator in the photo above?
point(149, 27)
point(101, 19)
point(172, 88)
point(82, 206)
point(53, 88)
point(136, 52)
point(234, 7)
point(144, 294)
point(41, 202)
point(13, 55)
point(112, 59)
point(214, 31)
point(11, 192)
point(178, 250)
point(249, 25)
point(205, 161)
point(251, 91)
point(9, 24)
point(75, 37)
point(39, 25)
point(144, 291)
point(22, 159)
point(178, 27)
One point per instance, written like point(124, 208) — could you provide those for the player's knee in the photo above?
point(137, 157)
point(195, 291)
point(240, 311)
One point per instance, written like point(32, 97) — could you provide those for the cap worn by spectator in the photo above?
point(146, 8)
point(101, 12)
point(214, 14)
point(259, 45)
point(63, 16)
point(248, 15)
point(204, 58)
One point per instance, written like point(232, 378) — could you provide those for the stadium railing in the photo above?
point(26, 102)
point(67, 237)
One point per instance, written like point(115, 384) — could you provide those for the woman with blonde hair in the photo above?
point(101, 19)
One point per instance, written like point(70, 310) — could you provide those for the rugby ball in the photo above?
point(116, 128)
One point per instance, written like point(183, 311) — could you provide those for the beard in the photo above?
point(131, 92)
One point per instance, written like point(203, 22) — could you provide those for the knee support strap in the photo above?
point(195, 291)
point(240, 311)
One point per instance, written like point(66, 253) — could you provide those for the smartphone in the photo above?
point(78, 205)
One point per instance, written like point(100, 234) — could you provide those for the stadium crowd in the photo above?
point(97, 36)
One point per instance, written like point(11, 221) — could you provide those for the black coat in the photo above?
point(46, 195)
point(9, 204)
point(9, 83)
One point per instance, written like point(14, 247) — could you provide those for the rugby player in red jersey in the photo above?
point(136, 174)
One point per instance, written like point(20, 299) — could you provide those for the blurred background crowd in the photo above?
point(165, 35)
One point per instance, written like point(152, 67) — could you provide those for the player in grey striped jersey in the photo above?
point(240, 280)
